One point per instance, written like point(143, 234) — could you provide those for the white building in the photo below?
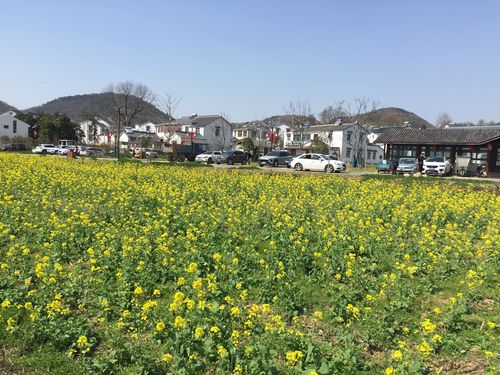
point(11, 127)
point(349, 142)
point(212, 132)
point(97, 132)
point(131, 138)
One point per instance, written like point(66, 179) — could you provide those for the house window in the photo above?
point(14, 126)
point(348, 153)
point(197, 130)
point(217, 131)
point(240, 133)
point(6, 126)
point(316, 137)
point(349, 136)
point(245, 133)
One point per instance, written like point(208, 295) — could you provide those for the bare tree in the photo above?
point(127, 100)
point(300, 117)
point(346, 111)
point(223, 131)
point(168, 104)
point(443, 120)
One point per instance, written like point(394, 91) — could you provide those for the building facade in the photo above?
point(11, 127)
point(481, 144)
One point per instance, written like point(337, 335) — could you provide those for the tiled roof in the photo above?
point(200, 121)
point(450, 136)
point(328, 127)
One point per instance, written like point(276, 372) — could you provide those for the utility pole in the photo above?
point(117, 137)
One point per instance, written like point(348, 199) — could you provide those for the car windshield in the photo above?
point(328, 157)
point(273, 153)
point(436, 159)
point(406, 161)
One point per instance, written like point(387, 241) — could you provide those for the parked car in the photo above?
point(151, 154)
point(231, 157)
point(317, 162)
point(384, 166)
point(89, 151)
point(275, 158)
point(209, 157)
point(13, 147)
point(407, 165)
point(44, 148)
point(436, 165)
point(63, 150)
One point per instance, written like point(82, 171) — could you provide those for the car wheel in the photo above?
point(229, 162)
point(298, 167)
point(44, 152)
point(275, 163)
point(209, 161)
point(329, 168)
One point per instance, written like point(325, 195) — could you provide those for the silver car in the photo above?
point(275, 158)
point(407, 165)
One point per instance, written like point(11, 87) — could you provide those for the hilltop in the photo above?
point(73, 106)
point(389, 116)
point(392, 116)
point(5, 107)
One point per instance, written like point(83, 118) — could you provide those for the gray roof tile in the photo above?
point(450, 136)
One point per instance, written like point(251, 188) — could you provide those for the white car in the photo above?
point(437, 165)
point(317, 162)
point(209, 157)
point(44, 148)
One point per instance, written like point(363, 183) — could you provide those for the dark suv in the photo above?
point(231, 157)
point(14, 147)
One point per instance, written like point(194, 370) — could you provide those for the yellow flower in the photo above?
point(138, 291)
point(437, 339)
point(235, 311)
point(425, 348)
point(82, 341)
point(179, 322)
point(160, 326)
point(192, 268)
point(294, 357)
point(167, 357)
point(199, 332)
point(390, 371)
point(318, 315)
point(397, 355)
point(221, 351)
point(214, 329)
point(428, 326)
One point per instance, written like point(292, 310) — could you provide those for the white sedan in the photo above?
point(317, 162)
point(209, 156)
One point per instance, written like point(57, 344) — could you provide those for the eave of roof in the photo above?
point(450, 136)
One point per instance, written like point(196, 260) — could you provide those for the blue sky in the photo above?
point(249, 59)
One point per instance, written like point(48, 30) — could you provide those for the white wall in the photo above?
point(7, 127)
point(221, 143)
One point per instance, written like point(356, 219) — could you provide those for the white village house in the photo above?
point(97, 132)
point(11, 127)
point(208, 132)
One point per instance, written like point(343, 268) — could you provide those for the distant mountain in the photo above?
point(4, 107)
point(393, 117)
point(380, 117)
point(73, 106)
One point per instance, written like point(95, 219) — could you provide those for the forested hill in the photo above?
point(4, 107)
point(98, 104)
point(393, 117)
